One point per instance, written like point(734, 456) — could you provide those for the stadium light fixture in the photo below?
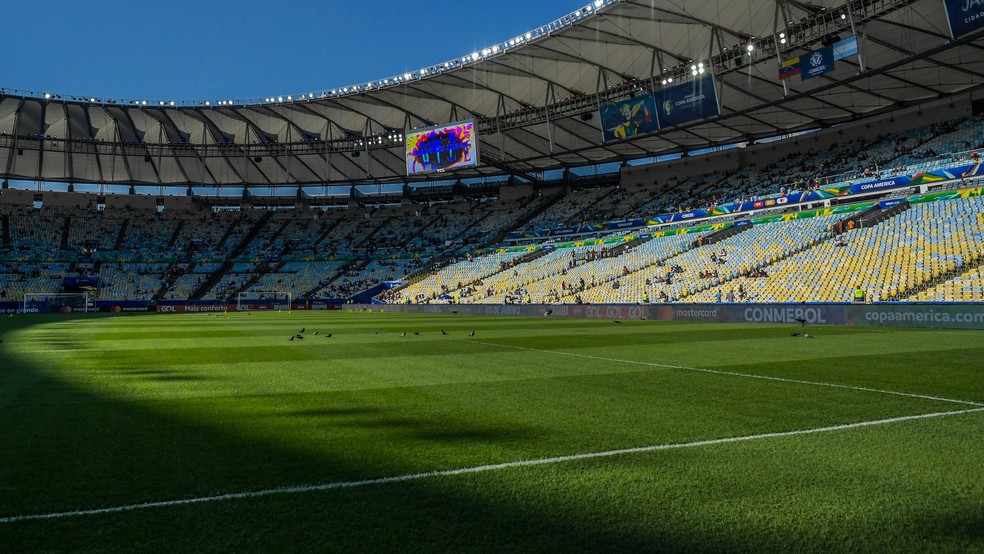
point(843, 16)
point(751, 48)
point(47, 96)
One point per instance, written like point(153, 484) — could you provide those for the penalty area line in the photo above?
point(466, 470)
point(730, 373)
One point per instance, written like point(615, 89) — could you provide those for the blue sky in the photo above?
point(198, 50)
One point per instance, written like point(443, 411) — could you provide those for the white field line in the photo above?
point(463, 471)
point(731, 373)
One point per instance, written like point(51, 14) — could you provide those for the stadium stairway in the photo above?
point(216, 276)
point(121, 237)
point(261, 270)
point(823, 237)
point(974, 263)
point(326, 233)
point(170, 278)
point(5, 222)
point(718, 236)
point(339, 273)
point(63, 244)
point(177, 233)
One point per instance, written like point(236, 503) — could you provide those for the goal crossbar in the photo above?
point(57, 302)
point(264, 300)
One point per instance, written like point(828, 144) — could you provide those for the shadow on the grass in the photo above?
point(67, 449)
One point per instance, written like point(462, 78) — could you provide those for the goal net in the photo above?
point(57, 302)
point(263, 300)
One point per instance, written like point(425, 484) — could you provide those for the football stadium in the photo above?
point(652, 276)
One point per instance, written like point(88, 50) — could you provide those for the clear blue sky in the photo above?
point(205, 49)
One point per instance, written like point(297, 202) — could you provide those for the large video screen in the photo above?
point(628, 118)
point(442, 148)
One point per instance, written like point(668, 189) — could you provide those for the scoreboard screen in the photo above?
point(442, 148)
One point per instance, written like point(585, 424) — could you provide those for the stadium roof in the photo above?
point(535, 98)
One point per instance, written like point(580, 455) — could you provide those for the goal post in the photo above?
point(264, 300)
point(57, 302)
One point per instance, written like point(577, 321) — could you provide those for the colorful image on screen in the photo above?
point(442, 148)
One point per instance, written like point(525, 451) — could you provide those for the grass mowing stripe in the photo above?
point(469, 470)
point(731, 373)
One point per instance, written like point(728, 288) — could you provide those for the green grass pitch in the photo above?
point(191, 414)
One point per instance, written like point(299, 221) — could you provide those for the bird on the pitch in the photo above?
point(472, 334)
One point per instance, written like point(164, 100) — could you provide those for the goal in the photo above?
point(57, 302)
point(263, 300)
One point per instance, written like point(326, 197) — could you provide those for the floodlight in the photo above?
point(751, 47)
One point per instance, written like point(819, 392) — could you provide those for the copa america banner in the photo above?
point(687, 102)
point(966, 17)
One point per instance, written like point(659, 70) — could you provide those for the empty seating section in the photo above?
point(37, 235)
point(298, 278)
point(130, 281)
point(236, 279)
point(637, 272)
point(364, 277)
point(888, 260)
point(930, 252)
point(96, 232)
point(18, 278)
point(455, 276)
point(148, 238)
point(965, 287)
point(756, 248)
